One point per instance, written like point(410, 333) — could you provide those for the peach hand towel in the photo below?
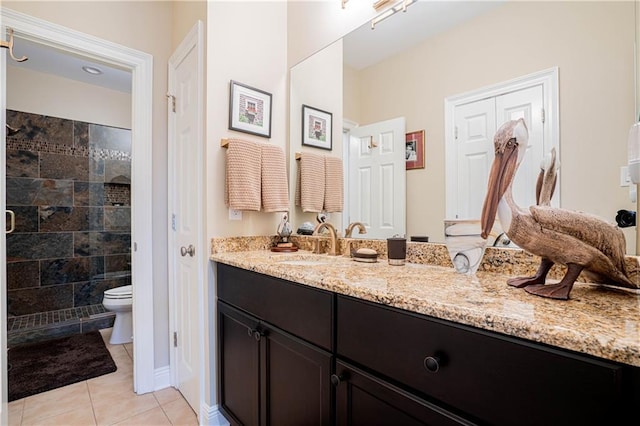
point(243, 175)
point(275, 185)
point(310, 182)
point(334, 185)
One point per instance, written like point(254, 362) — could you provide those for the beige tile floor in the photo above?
point(104, 400)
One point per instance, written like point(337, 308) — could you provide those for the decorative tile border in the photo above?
point(19, 144)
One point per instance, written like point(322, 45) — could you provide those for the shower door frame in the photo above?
point(141, 66)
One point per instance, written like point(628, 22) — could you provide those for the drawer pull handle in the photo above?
point(432, 364)
point(337, 379)
point(257, 335)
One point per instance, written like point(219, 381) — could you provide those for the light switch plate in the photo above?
point(235, 214)
point(625, 180)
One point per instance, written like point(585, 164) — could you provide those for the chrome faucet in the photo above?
point(349, 230)
point(333, 235)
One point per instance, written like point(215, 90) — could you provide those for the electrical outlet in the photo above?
point(235, 214)
point(625, 179)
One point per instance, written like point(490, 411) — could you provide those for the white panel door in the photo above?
point(185, 186)
point(476, 125)
point(527, 104)
point(377, 183)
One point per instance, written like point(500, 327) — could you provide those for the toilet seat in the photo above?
point(124, 292)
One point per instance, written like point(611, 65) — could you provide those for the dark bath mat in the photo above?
point(39, 367)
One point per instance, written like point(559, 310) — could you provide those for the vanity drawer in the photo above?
point(494, 378)
point(302, 311)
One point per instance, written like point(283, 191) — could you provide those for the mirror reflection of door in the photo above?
point(475, 124)
point(376, 194)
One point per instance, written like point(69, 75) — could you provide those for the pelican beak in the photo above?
point(502, 173)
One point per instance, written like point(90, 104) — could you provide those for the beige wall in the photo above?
point(313, 25)
point(46, 94)
point(590, 42)
point(185, 14)
point(352, 94)
point(324, 67)
point(145, 26)
point(248, 42)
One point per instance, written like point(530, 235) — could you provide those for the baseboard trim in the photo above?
point(161, 378)
point(211, 416)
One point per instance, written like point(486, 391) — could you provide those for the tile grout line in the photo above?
point(163, 410)
point(93, 410)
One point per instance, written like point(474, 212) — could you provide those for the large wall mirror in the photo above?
point(440, 50)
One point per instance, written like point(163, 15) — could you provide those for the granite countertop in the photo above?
point(597, 320)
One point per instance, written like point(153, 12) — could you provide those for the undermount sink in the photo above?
point(304, 262)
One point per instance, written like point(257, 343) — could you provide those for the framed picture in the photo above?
point(316, 127)
point(415, 150)
point(249, 110)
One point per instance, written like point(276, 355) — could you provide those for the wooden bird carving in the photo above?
point(580, 241)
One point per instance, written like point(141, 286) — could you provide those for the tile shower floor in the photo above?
point(104, 400)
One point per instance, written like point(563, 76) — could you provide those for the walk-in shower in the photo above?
point(68, 183)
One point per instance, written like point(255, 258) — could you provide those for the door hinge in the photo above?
point(455, 132)
point(172, 99)
point(173, 221)
point(542, 115)
point(175, 339)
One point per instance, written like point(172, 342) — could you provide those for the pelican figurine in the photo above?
point(284, 228)
point(578, 240)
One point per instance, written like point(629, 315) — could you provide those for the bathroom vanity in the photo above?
point(319, 340)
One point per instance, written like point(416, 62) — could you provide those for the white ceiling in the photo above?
point(49, 60)
point(364, 47)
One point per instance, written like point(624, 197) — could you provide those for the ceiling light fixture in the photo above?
point(92, 70)
point(381, 3)
point(399, 6)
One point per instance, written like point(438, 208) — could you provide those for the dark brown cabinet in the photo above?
point(293, 355)
point(364, 399)
point(491, 378)
point(239, 353)
point(268, 376)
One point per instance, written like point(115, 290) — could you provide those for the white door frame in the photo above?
point(549, 80)
point(347, 126)
point(193, 40)
point(141, 66)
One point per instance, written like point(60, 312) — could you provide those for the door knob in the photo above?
point(191, 250)
point(336, 379)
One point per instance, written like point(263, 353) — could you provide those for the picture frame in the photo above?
point(249, 110)
point(317, 128)
point(414, 156)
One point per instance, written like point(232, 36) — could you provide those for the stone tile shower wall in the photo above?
point(68, 183)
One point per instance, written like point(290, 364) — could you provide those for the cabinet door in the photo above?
point(303, 311)
point(362, 399)
point(239, 356)
point(296, 381)
point(491, 377)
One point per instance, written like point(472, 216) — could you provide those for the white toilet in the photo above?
point(119, 300)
